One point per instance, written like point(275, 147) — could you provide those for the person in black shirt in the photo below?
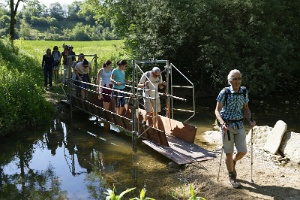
point(47, 65)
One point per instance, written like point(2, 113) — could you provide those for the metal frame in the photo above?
point(134, 94)
point(191, 86)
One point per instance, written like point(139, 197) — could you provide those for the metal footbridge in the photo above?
point(166, 135)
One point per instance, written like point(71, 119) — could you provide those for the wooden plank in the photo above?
point(101, 113)
point(181, 152)
point(193, 151)
point(109, 116)
point(176, 128)
point(95, 110)
point(88, 106)
point(127, 123)
point(82, 105)
point(153, 136)
point(118, 120)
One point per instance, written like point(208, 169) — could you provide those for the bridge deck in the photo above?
point(180, 151)
point(171, 138)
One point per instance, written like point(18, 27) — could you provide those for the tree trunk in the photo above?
point(12, 21)
point(13, 13)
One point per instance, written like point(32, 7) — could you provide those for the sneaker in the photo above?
point(233, 181)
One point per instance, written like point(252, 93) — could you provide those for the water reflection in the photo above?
point(72, 162)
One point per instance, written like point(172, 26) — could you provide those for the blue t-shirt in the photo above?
point(233, 108)
point(119, 76)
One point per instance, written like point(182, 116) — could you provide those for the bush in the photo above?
point(22, 103)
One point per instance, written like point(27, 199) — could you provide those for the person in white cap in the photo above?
point(151, 81)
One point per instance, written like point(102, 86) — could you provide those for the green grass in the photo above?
point(106, 50)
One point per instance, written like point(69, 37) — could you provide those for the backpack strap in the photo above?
point(244, 91)
point(227, 92)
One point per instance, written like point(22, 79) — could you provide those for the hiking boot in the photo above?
point(233, 181)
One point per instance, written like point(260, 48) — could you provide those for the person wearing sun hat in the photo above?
point(83, 71)
point(151, 81)
point(74, 76)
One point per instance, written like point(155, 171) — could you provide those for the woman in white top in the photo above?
point(103, 80)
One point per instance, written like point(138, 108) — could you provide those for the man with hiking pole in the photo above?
point(232, 106)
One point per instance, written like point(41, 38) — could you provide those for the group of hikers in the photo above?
point(111, 82)
point(231, 108)
point(112, 85)
point(52, 61)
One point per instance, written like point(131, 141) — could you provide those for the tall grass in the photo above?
point(21, 101)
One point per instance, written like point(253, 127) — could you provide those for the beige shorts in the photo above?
point(237, 139)
point(149, 104)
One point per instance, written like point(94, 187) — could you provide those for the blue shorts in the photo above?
point(237, 139)
point(119, 98)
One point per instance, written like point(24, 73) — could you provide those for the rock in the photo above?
point(213, 137)
point(290, 146)
point(275, 136)
point(260, 134)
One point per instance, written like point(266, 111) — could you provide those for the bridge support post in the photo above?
point(134, 123)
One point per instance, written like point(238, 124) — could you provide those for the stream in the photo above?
point(78, 159)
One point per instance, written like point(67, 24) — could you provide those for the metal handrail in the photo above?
point(191, 86)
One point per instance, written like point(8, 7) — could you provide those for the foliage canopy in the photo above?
point(211, 37)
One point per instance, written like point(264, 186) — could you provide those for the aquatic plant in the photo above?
point(112, 196)
point(142, 196)
point(193, 195)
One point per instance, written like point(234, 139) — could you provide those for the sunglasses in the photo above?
point(235, 79)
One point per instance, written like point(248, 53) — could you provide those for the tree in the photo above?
point(4, 22)
point(57, 11)
point(73, 10)
point(33, 8)
point(13, 12)
point(211, 37)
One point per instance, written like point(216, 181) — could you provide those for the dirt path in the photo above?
point(270, 180)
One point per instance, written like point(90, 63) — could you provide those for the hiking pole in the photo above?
point(251, 148)
point(220, 163)
point(221, 156)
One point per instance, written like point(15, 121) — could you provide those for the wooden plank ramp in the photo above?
point(180, 151)
point(172, 138)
